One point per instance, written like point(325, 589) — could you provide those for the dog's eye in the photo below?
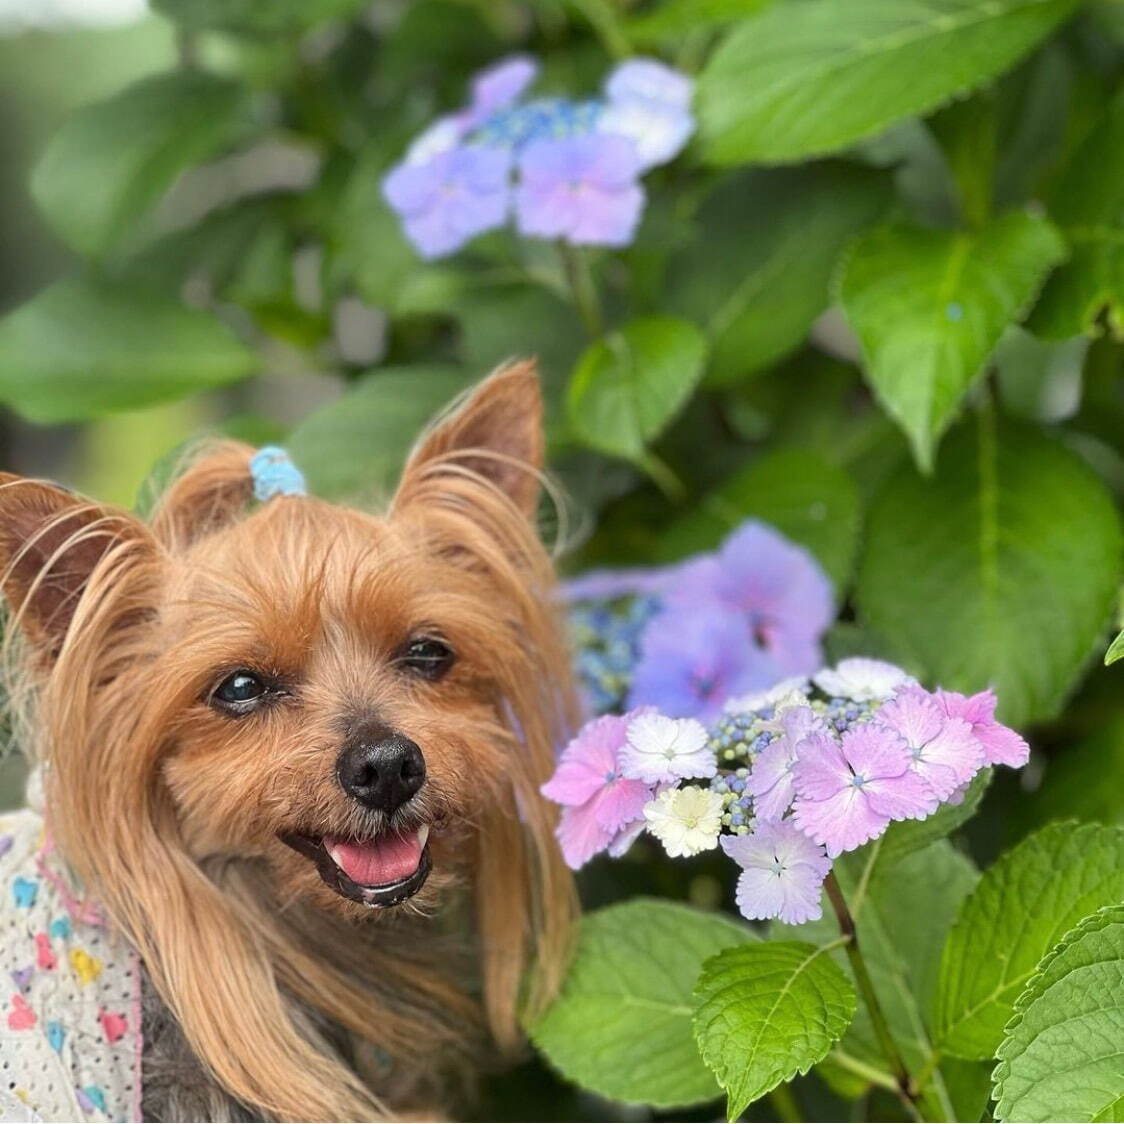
point(427, 657)
point(238, 691)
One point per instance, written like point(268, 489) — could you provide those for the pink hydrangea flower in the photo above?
point(848, 792)
point(599, 805)
point(782, 872)
point(1001, 745)
point(945, 752)
point(770, 780)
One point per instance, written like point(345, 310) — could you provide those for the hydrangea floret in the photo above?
point(566, 168)
point(746, 618)
point(784, 780)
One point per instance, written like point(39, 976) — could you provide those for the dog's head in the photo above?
point(357, 710)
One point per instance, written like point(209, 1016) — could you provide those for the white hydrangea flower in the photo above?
point(661, 749)
point(787, 693)
point(685, 820)
point(862, 680)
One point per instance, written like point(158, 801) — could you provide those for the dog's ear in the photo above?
point(51, 542)
point(211, 490)
point(495, 434)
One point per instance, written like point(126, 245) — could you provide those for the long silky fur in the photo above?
point(234, 969)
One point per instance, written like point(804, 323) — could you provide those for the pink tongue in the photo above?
point(375, 862)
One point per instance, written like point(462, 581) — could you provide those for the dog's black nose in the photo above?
point(381, 771)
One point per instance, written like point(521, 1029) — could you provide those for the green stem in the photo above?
point(583, 290)
point(922, 1076)
point(602, 17)
point(664, 478)
point(904, 1086)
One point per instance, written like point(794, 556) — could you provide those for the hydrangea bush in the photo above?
point(828, 305)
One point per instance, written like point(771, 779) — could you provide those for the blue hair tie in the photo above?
point(275, 474)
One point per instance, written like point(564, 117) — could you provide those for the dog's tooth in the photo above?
point(423, 835)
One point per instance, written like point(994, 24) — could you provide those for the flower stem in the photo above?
point(904, 1086)
point(582, 288)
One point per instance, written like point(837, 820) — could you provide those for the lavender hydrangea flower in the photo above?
point(578, 161)
point(499, 87)
point(584, 189)
point(599, 803)
point(782, 872)
point(785, 597)
point(945, 753)
point(848, 792)
point(693, 657)
point(770, 781)
point(451, 198)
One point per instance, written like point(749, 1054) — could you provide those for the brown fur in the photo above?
point(170, 812)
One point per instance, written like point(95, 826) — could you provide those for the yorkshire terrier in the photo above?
point(293, 862)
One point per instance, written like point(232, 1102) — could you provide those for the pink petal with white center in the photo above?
point(842, 822)
point(574, 782)
point(875, 751)
point(626, 837)
point(908, 797)
point(581, 836)
point(914, 714)
point(820, 770)
point(951, 759)
point(620, 802)
point(1002, 745)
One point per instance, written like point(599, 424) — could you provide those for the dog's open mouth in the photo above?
point(382, 871)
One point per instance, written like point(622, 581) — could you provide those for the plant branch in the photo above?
point(903, 1084)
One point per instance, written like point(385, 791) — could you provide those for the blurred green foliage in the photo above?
point(879, 302)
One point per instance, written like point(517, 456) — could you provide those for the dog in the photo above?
point(290, 758)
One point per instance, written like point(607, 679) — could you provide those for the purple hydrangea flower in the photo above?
point(500, 86)
point(599, 804)
point(782, 872)
point(1001, 745)
point(452, 198)
point(693, 657)
point(785, 596)
point(770, 781)
point(649, 79)
point(583, 189)
point(848, 792)
point(945, 753)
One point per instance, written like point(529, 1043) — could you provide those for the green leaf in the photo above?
point(1022, 907)
point(112, 161)
point(767, 1012)
point(907, 836)
point(804, 79)
point(1115, 649)
point(781, 233)
point(673, 19)
point(276, 17)
point(82, 348)
point(356, 445)
point(1088, 203)
point(1002, 569)
point(1082, 781)
point(622, 1025)
point(1040, 380)
point(797, 491)
point(629, 385)
point(1060, 1059)
point(929, 307)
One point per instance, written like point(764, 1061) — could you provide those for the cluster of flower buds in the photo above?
point(784, 781)
point(684, 638)
point(567, 169)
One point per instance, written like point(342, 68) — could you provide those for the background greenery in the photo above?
point(879, 302)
